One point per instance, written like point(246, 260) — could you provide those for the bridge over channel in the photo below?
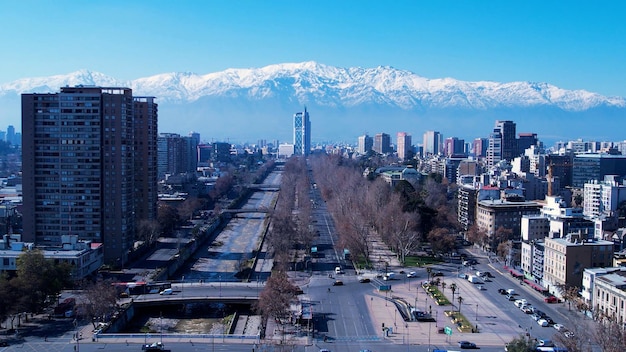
point(236, 293)
point(264, 187)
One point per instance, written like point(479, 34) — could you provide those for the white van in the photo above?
point(338, 270)
point(167, 291)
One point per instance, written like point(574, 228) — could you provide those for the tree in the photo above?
point(520, 344)
point(37, 279)
point(148, 231)
point(609, 334)
point(453, 288)
point(441, 240)
point(460, 299)
point(100, 300)
point(475, 235)
point(276, 297)
point(168, 218)
point(569, 294)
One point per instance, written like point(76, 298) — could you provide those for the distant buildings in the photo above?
point(89, 162)
point(382, 143)
point(176, 154)
point(589, 167)
point(405, 149)
point(502, 143)
point(432, 143)
point(365, 144)
point(302, 133)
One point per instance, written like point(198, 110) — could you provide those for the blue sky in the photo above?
point(571, 44)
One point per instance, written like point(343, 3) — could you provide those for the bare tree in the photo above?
point(569, 294)
point(609, 334)
point(148, 231)
point(276, 297)
point(100, 299)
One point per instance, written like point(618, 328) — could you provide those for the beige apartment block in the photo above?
point(609, 297)
point(565, 259)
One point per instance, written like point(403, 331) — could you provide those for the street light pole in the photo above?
point(476, 312)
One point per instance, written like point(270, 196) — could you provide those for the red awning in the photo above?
point(534, 285)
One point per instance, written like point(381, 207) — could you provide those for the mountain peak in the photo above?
point(313, 82)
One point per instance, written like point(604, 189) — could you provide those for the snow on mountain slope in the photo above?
point(311, 82)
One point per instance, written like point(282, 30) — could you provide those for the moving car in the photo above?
point(167, 291)
point(502, 291)
point(510, 297)
point(154, 347)
point(543, 322)
point(364, 280)
point(411, 274)
point(338, 283)
point(467, 344)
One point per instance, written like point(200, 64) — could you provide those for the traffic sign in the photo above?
point(447, 330)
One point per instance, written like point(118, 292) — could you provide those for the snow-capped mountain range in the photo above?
point(347, 100)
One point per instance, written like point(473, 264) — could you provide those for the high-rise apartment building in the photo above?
point(88, 159)
point(502, 143)
point(454, 146)
point(404, 146)
point(524, 142)
point(432, 143)
point(176, 154)
point(302, 133)
point(11, 135)
point(382, 143)
point(479, 147)
point(365, 144)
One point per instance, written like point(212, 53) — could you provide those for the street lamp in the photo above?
point(476, 312)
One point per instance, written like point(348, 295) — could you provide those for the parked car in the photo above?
point(527, 309)
point(543, 322)
point(467, 344)
point(545, 343)
point(535, 316)
point(480, 287)
point(569, 334)
point(519, 303)
point(559, 327)
point(551, 299)
point(510, 298)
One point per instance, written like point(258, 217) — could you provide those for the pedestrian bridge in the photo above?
point(264, 187)
point(245, 210)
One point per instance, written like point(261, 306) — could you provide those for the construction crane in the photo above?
point(550, 168)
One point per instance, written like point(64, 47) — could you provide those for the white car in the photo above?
point(543, 322)
point(559, 327)
point(411, 274)
point(520, 303)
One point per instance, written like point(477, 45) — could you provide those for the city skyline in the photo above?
point(574, 45)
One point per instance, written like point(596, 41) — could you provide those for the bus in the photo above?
point(140, 287)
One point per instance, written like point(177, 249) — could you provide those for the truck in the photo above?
point(389, 276)
point(474, 279)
